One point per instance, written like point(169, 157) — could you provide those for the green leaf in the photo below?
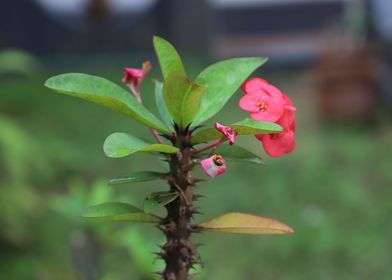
point(158, 200)
point(162, 109)
point(121, 144)
point(103, 92)
point(168, 57)
point(236, 153)
point(245, 224)
point(118, 211)
point(182, 98)
point(244, 127)
point(137, 177)
point(222, 80)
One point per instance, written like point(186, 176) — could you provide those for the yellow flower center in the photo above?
point(262, 106)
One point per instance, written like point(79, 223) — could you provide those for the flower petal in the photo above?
point(249, 102)
point(133, 75)
point(253, 85)
point(227, 131)
point(275, 145)
point(214, 165)
point(274, 111)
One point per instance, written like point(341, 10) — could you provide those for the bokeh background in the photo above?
point(333, 58)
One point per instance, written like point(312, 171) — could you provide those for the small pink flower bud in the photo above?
point(214, 165)
point(134, 76)
point(226, 131)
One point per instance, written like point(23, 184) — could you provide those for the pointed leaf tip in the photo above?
point(105, 93)
point(121, 144)
point(118, 211)
point(245, 224)
point(168, 57)
point(158, 200)
point(136, 177)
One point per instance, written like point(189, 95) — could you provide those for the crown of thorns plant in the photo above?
point(182, 142)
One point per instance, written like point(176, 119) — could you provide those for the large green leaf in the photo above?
point(105, 93)
point(237, 154)
point(142, 176)
point(182, 98)
point(222, 80)
point(168, 57)
point(158, 200)
point(121, 144)
point(162, 109)
point(245, 224)
point(118, 211)
point(244, 127)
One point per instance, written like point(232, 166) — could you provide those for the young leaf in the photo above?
point(105, 93)
point(121, 144)
point(118, 211)
point(162, 109)
point(244, 127)
point(137, 177)
point(222, 80)
point(168, 57)
point(236, 153)
point(182, 98)
point(246, 224)
point(158, 200)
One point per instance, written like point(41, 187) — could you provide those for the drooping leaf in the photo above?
point(157, 200)
point(182, 98)
point(168, 57)
point(244, 127)
point(162, 109)
point(103, 92)
point(222, 80)
point(137, 177)
point(237, 154)
point(245, 224)
point(121, 144)
point(118, 211)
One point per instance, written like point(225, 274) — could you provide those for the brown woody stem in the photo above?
point(179, 253)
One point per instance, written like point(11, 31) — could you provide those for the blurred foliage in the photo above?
point(334, 190)
point(18, 62)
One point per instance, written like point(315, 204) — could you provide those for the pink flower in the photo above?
point(227, 131)
point(253, 84)
point(134, 76)
point(264, 101)
point(214, 166)
point(275, 145)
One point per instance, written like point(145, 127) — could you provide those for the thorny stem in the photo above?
point(214, 144)
point(136, 93)
point(179, 253)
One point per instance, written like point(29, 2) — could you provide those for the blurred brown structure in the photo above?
point(347, 83)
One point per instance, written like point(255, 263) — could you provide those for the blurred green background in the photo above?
point(334, 189)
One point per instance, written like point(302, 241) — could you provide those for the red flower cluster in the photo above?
point(266, 103)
